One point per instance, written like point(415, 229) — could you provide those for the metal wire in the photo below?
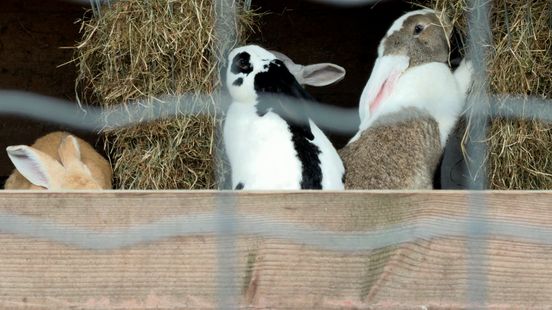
point(227, 277)
point(479, 39)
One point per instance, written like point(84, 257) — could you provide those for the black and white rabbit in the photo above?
point(270, 141)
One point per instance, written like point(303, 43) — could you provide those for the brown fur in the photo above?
point(429, 46)
point(99, 167)
point(401, 151)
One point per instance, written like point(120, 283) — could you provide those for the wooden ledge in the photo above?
point(182, 250)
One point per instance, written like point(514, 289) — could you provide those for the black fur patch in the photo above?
point(273, 86)
point(241, 64)
point(457, 49)
point(238, 82)
point(240, 186)
point(308, 155)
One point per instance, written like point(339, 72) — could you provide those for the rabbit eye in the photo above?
point(418, 29)
point(243, 64)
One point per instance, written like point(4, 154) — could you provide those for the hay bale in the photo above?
point(520, 63)
point(141, 50)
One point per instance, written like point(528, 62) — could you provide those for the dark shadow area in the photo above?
point(33, 34)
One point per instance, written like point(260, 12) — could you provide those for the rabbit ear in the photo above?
point(70, 155)
point(36, 166)
point(283, 57)
point(295, 69)
point(69, 151)
point(322, 74)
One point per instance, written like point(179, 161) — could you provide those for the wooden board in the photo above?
point(174, 250)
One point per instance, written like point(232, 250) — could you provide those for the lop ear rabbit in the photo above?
point(412, 70)
point(411, 77)
point(270, 141)
point(318, 75)
point(58, 161)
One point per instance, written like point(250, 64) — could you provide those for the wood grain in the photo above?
point(181, 272)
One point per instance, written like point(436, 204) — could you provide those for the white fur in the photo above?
point(262, 155)
point(464, 76)
point(260, 149)
point(431, 87)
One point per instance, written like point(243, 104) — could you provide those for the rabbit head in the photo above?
point(244, 63)
point(44, 171)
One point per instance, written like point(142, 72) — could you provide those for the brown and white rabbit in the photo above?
point(411, 76)
point(58, 161)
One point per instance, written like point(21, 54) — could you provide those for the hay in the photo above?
point(141, 50)
point(520, 63)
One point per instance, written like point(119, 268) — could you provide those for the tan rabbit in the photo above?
point(399, 151)
point(58, 161)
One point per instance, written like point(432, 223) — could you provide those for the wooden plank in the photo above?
point(48, 262)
